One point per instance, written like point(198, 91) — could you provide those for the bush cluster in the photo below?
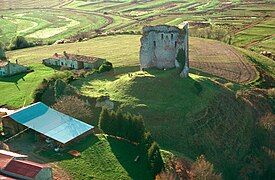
point(19, 42)
point(106, 66)
point(58, 80)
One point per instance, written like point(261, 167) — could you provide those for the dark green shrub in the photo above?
point(2, 55)
point(102, 98)
point(147, 141)
point(18, 42)
point(59, 88)
point(38, 92)
point(104, 122)
point(106, 66)
point(154, 159)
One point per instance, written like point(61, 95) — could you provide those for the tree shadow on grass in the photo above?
point(126, 154)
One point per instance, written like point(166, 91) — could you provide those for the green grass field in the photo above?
point(102, 157)
point(18, 89)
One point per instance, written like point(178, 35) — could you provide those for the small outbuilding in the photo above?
point(74, 61)
point(46, 121)
point(8, 69)
point(13, 165)
point(28, 170)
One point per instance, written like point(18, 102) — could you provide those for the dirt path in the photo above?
point(221, 60)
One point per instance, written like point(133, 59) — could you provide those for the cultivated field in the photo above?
point(220, 60)
point(46, 25)
point(29, 4)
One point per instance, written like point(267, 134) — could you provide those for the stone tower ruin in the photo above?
point(160, 46)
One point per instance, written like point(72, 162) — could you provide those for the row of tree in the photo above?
point(216, 33)
point(132, 127)
point(121, 124)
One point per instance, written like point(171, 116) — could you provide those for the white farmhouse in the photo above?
point(74, 61)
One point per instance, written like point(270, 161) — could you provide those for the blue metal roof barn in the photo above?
point(51, 123)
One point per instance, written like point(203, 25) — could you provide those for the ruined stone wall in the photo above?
point(160, 45)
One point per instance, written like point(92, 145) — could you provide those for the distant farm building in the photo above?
point(74, 61)
point(160, 46)
point(13, 165)
point(48, 122)
point(8, 69)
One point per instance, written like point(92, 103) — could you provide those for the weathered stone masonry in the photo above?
point(160, 46)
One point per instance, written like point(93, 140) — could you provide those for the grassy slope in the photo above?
point(103, 157)
point(178, 118)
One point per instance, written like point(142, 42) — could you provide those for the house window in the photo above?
point(61, 63)
point(161, 36)
point(172, 36)
point(175, 44)
point(155, 44)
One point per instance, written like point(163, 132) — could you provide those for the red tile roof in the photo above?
point(76, 57)
point(4, 160)
point(2, 177)
point(24, 168)
point(7, 156)
point(3, 63)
